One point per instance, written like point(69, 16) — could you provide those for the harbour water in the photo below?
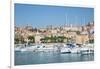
point(26, 58)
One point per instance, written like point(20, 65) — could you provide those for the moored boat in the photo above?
point(65, 50)
point(86, 51)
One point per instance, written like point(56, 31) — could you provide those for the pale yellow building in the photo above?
point(81, 39)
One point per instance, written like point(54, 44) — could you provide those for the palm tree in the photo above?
point(16, 40)
point(31, 38)
point(19, 38)
point(45, 39)
point(61, 38)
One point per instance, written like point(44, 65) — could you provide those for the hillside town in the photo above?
point(50, 34)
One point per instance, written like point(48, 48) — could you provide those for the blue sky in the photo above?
point(43, 15)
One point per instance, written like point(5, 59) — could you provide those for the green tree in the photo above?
point(16, 40)
point(53, 39)
point(45, 39)
point(78, 32)
point(31, 38)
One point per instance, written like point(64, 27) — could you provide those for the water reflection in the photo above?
point(25, 58)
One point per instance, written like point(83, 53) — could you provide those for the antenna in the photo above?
point(84, 20)
point(81, 21)
point(76, 20)
point(66, 20)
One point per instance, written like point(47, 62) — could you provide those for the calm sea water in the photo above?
point(26, 58)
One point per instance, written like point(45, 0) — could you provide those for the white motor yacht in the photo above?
point(65, 50)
